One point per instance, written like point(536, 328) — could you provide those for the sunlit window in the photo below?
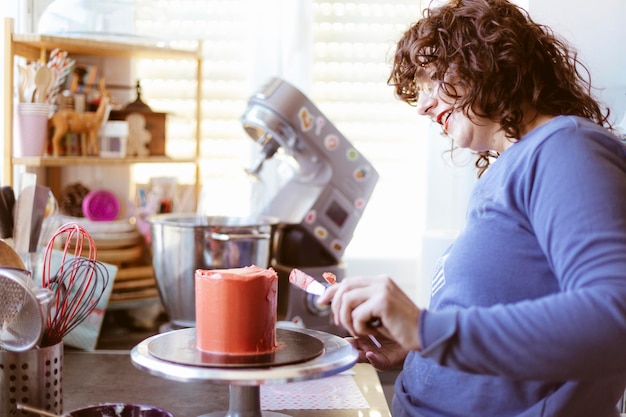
point(349, 54)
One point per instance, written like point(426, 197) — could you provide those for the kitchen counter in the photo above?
point(109, 376)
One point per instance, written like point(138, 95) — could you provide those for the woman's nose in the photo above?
point(425, 105)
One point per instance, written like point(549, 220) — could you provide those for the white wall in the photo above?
point(598, 31)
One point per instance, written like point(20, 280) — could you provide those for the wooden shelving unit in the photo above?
point(136, 279)
point(31, 46)
point(63, 161)
point(35, 47)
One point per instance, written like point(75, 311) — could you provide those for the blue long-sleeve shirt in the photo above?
point(528, 310)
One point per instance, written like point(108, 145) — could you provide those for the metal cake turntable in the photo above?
point(302, 354)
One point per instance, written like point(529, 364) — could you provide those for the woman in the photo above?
point(528, 306)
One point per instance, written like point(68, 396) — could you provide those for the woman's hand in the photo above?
point(357, 301)
point(389, 356)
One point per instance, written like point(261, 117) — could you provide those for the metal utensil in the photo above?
point(306, 282)
point(41, 204)
point(309, 284)
point(73, 238)
point(21, 318)
point(23, 213)
point(78, 287)
point(30, 212)
point(50, 220)
point(78, 284)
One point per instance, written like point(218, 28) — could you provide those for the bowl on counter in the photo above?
point(119, 410)
point(182, 243)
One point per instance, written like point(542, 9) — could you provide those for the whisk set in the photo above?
point(66, 298)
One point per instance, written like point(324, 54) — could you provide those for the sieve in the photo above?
point(21, 310)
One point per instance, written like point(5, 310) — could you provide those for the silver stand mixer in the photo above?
point(321, 204)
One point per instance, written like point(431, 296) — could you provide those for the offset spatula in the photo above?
point(23, 219)
point(40, 204)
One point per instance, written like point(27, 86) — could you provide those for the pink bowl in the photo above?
point(101, 205)
point(119, 410)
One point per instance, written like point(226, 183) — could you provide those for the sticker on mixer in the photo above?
point(359, 203)
point(331, 142)
point(319, 124)
point(321, 232)
point(310, 217)
point(360, 174)
point(306, 120)
point(336, 245)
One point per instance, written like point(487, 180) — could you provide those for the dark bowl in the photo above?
point(119, 410)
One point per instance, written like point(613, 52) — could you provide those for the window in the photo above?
point(337, 53)
point(353, 44)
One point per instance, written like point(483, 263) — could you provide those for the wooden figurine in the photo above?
point(69, 121)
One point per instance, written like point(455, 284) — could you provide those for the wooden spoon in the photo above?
point(29, 86)
point(36, 410)
point(9, 257)
point(43, 78)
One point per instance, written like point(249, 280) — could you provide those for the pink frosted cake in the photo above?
point(236, 310)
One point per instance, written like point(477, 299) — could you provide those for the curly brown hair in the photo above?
point(500, 59)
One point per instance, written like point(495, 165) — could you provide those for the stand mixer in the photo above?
point(321, 204)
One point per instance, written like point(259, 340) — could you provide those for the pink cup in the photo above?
point(31, 129)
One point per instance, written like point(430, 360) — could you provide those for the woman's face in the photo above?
point(475, 133)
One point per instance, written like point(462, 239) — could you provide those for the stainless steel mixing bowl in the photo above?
point(182, 243)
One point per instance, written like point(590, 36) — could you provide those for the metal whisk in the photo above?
point(78, 285)
point(77, 288)
point(74, 234)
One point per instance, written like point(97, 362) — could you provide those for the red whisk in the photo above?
point(72, 232)
point(78, 284)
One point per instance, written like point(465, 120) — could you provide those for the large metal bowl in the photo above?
point(182, 243)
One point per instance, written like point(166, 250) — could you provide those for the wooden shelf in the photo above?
point(37, 47)
point(34, 46)
point(65, 161)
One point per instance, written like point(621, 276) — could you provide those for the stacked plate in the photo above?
point(133, 286)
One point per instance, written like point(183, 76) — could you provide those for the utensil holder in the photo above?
point(33, 377)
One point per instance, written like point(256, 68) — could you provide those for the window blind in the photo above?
point(169, 86)
point(350, 49)
point(353, 45)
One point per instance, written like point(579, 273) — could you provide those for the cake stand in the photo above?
point(302, 354)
